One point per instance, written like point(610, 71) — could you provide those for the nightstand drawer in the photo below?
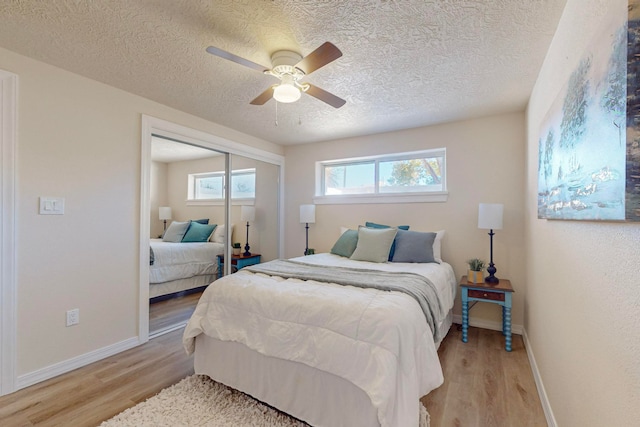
point(493, 296)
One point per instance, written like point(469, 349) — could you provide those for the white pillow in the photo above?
point(219, 234)
point(437, 243)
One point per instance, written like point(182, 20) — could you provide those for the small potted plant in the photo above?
point(474, 275)
point(236, 248)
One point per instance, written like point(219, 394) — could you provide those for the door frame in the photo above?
point(154, 126)
point(8, 302)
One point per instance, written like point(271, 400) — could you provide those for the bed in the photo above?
point(329, 354)
point(177, 266)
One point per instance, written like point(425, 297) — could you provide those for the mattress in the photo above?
point(173, 261)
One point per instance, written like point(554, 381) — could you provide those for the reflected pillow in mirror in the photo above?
point(176, 231)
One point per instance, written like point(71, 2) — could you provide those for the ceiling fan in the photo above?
point(290, 67)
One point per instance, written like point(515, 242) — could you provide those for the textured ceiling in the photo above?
point(405, 63)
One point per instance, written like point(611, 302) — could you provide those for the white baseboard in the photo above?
point(544, 399)
point(486, 324)
point(54, 370)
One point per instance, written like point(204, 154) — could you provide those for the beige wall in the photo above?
point(177, 189)
point(157, 197)
point(485, 163)
point(263, 232)
point(80, 139)
point(582, 294)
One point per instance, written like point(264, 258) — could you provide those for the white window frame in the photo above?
point(192, 201)
point(377, 197)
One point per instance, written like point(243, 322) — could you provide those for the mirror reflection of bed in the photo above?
point(187, 223)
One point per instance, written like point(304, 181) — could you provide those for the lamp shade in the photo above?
point(247, 213)
point(165, 212)
point(490, 216)
point(308, 214)
point(286, 91)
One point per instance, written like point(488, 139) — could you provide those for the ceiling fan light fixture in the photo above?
point(286, 92)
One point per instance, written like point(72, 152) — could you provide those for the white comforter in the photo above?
point(174, 261)
point(378, 340)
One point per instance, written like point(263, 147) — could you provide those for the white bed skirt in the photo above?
point(320, 398)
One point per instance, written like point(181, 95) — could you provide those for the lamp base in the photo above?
point(491, 278)
point(246, 246)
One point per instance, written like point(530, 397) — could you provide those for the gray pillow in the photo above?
point(346, 243)
point(176, 231)
point(374, 244)
point(414, 246)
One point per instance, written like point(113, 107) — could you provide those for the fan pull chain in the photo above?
point(276, 113)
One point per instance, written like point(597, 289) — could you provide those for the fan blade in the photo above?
point(231, 57)
point(325, 96)
point(263, 97)
point(319, 58)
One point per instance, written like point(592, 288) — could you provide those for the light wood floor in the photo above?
point(165, 314)
point(97, 392)
point(484, 385)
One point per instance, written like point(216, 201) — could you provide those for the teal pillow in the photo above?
point(198, 232)
point(414, 246)
point(374, 244)
point(346, 244)
point(393, 246)
point(175, 232)
point(201, 221)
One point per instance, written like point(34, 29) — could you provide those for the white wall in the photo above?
point(80, 139)
point(582, 293)
point(485, 163)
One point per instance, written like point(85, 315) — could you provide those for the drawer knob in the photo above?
point(485, 295)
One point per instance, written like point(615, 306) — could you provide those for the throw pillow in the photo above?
point(201, 221)
point(393, 246)
point(198, 232)
point(374, 244)
point(414, 246)
point(176, 231)
point(346, 243)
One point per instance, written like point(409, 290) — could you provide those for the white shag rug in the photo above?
point(199, 401)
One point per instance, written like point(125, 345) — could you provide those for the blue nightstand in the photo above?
point(496, 293)
point(238, 261)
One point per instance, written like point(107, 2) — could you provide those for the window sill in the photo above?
point(352, 199)
point(217, 202)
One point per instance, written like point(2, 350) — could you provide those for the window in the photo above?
point(210, 185)
point(401, 177)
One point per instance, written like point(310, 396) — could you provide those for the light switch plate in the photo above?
point(51, 205)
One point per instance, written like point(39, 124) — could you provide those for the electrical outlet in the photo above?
point(73, 317)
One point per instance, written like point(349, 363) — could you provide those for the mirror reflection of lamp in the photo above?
point(490, 218)
point(165, 214)
point(247, 213)
point(307, 216)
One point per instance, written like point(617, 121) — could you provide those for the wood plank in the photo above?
point(484, 385)
point(167, 313)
